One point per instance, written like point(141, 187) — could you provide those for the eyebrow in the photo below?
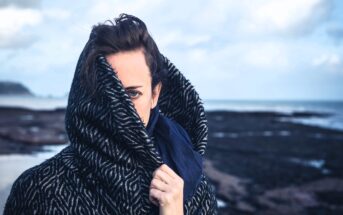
point(132, 87)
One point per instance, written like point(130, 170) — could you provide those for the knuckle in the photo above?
point(157, 172)
point(168, 198)
point(151, 192)
point(164, 166)
point(153, 182)
point(174, 190)
point(163, 199)
point(181, 182)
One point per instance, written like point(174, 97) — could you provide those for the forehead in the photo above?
point(131, 67)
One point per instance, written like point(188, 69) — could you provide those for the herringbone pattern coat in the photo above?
point(108, 166)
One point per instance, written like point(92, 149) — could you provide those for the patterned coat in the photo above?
point(108, 166)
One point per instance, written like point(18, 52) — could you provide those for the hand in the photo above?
point(166, 191)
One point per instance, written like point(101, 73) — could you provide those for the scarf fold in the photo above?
point(175, 148)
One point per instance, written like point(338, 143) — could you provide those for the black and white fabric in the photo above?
point(108, 166)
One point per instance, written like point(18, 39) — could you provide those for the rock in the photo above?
point(24, 129)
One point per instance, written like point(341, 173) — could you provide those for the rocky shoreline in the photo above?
point(259, 162)
point(23, 131)
point(264, 165)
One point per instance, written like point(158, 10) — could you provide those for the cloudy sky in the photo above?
point(262, 49)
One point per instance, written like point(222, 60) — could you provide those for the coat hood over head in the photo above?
point(108, 166)
point(109, 124)
point(115, 153)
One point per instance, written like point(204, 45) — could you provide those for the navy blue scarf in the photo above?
point(176, 150)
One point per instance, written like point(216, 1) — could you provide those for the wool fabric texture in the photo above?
point(107, 167)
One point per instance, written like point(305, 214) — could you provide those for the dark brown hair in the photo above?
point(126, 33)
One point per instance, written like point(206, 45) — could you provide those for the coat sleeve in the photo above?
point(21, 198)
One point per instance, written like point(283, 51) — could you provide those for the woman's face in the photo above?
point(134, 73)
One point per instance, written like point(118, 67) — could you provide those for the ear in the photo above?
point(155, 94)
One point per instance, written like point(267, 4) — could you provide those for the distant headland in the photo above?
point(14, 88)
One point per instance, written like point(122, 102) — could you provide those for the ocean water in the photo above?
point(35, 103)
point(333, 108)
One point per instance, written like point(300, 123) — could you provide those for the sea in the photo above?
point(334, 109)
point(11, 166)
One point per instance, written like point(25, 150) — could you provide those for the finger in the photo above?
point(169, 171)
point(155, 196)
point(153, 200)
point(163, 176)
point(158, 184)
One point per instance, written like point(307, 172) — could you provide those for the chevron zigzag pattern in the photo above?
point(108, 166)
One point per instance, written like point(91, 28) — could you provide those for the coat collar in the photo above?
point(101, 122)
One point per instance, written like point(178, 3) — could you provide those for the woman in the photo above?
point(137, 131)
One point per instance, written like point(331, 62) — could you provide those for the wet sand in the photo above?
point(258, 162)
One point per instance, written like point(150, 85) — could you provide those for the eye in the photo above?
point(133, 94)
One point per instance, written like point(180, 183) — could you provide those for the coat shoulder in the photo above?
point(32, 186)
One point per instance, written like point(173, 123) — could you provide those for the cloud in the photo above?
point(107, 9)
point(293, 17)
point(335, 32)
point(267, 55)
point(223, 46)
point(17, 41)
point(20, 3)
point(12, 26)
point(18, 21)
point(329, 62)
point(56, 14)
point(179, 38)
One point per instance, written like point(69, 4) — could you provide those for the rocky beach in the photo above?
point(263, 164)
point(259, 162)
